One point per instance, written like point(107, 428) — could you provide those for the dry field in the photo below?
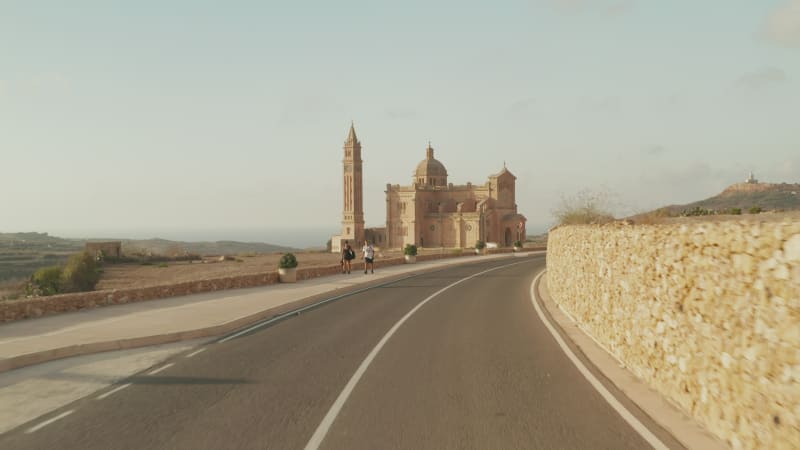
point(117, 276)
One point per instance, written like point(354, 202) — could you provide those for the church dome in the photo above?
point(430, 171)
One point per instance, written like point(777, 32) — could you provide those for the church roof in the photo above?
point(430, 166)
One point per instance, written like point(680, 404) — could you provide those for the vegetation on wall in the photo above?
point(80, 274)
point(585, 207)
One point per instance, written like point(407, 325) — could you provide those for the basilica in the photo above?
point(430, 212)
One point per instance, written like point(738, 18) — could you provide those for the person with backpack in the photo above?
point(347, 255)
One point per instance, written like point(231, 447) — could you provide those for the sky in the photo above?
point(214, 119)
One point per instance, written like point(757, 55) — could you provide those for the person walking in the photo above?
point(369, 257)
point(347, 256)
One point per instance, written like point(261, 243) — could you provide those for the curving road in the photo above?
point(472, 366)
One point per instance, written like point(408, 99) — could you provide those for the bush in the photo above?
point(518, 244)
point(288, 261)
point(163, 265)
point(46, 281)
point(80, 273)
point(480, 245)
point(410, 250)
point(755, 210)
point(586, 207)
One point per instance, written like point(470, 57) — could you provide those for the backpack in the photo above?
point(351, 254)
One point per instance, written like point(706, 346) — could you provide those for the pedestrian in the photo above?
point(347, 255)
point(369, 257)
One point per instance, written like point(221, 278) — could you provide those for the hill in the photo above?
point(742, 197)
point(21, 254)
point(176, 248)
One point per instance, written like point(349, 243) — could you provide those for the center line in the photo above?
point(161, 369)
point(195, 352)
point(327, 421)
point(48, 422)
point(117, 389)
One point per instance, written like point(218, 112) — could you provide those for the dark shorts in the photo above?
point(369, 260)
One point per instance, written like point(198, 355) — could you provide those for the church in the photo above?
point(430, 212)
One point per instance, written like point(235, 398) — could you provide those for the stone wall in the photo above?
point(12, 310)
point(706, 313)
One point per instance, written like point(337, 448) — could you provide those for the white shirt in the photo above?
point(369, 252)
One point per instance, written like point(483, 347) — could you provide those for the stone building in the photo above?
point(104, 250)
point(431, 212)
point(353, 206)
point(434, 213)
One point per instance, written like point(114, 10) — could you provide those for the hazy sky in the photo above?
point(202, 116)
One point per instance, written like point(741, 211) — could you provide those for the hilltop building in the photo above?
point(751, 179)
point(431, 212)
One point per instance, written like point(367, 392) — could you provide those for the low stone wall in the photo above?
point(12, 310)
point(707, 313)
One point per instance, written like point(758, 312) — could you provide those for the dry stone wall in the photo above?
point(707, 313)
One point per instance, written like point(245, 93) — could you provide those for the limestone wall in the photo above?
point(707, 313)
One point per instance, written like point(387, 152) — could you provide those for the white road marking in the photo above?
point(49, 421)
point(626, 415)
point(115, 390)
point(327, 421)
point(195, 352)
point(161, 369)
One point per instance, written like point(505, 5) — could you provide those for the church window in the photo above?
point(348, 230)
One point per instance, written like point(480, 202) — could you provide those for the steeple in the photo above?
point(351, 136)
point(429, 151)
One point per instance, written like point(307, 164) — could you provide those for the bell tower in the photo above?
point(353, 208)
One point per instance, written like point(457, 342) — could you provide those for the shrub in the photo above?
point(288, 261)
point(586, 207)
point(163, 265)
point(518, 244)
point(480, 244)
point(45, 281)
point(736, 211)
point(755, 210)
point(410, 250)
point(80, 273)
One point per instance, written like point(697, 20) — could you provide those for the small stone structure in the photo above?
point(707, 313)
point(104, 250)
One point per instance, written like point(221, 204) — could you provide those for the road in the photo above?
point(471, 366)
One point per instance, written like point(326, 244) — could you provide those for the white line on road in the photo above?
point(115, 390)
point(160, 369)
point(638, 426)
point(49, 421)
point(327, 421)
point(195, 352)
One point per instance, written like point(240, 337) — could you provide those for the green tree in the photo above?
point(80, 273)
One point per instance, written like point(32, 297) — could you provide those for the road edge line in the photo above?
point(626, 415)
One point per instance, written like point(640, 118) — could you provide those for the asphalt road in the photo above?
point(473, 367)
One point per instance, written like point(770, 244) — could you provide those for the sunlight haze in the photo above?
point(217, 118)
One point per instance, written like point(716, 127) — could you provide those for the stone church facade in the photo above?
point(431, 212)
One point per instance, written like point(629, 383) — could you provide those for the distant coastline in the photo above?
point(296, 238)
